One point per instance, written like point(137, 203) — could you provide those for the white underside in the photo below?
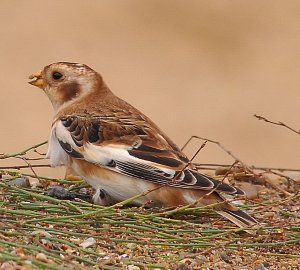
point(119, 187)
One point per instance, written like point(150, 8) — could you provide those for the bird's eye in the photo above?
point(56, 75)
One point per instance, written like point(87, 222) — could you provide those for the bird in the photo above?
point(119, 151)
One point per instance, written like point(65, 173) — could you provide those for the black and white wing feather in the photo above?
point(131, 147)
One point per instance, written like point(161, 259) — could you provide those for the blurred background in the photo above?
point(195, 67)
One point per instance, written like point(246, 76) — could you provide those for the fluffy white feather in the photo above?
point(55, 153)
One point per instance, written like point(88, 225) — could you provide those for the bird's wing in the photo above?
point(132, 146)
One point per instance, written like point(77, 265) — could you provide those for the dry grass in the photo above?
point(38, 231)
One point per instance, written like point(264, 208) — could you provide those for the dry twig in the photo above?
point(276, 123)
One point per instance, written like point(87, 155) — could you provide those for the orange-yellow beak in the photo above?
point(36, 80)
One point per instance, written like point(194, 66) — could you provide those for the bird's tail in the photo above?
point(220, 205)
point(240, 218)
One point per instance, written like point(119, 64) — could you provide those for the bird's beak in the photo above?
point(36, 80)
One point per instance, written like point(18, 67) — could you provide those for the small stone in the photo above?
point(202, 258)
point(34, 182)
point(41, 232)
point(261, 267)
point(88, 242)
point(186, 261)
point(132, 246)
point(225, 257)
point(123, 256)
point(19, 182)
point(106, 226)
point(182, 266)
point(251, 190)
point(193, 264)
point(133, 267)
point(269, 214)
point(7, 266)
point(41, 257)
point(75, 240)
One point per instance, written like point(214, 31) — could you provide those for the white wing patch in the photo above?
point(102, 155)
point(55, 153)
point(96, 154)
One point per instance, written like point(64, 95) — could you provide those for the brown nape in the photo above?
point(69, 91)
point(99, 92)
point(100, 85)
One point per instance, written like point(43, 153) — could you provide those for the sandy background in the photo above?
point(195, 67)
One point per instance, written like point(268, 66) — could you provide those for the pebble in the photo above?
point(20, 182)
point(7, 266)
point(133, 267)
point(132, 246)
point(88, 242)
point(182, 266)
point(225, 257)
point(266, 264)
point(261, 267)
point(41, 233)
point(41, 257)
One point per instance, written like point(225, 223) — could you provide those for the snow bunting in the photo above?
point(118, 150)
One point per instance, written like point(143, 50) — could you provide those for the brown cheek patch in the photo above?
point(69, 91)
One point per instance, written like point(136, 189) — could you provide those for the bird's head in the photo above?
point(65, 82)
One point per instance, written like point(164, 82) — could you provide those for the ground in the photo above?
point(41, 232)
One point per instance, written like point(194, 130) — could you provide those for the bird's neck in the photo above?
point(98, 95)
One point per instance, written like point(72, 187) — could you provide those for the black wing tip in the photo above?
point(218, 185)
point(69, 150)
point(242, 216)
point(239, 191)
point(203, 181)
